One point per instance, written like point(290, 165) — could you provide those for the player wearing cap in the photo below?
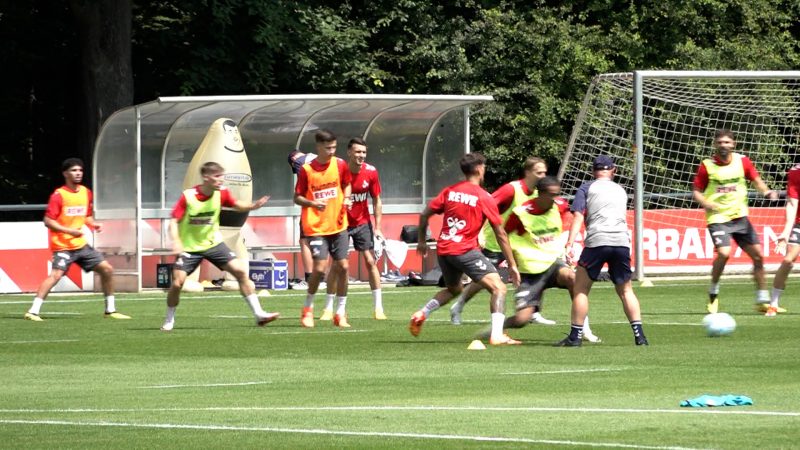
point(602, 205)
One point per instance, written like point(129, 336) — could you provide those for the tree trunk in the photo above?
point(104, 33)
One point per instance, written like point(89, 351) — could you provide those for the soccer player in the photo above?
point(194, 229)
point(323, 192)
point(296, 161)
point(507, 196)
point(788, 241)
point(534, 232)
point(720, 187)
point(365, 182)
point(68, 210)
point(465, 206)
point(602, 205)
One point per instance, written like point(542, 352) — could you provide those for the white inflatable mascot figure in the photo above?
point(223, 145)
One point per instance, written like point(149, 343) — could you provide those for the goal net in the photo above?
point(676, 115)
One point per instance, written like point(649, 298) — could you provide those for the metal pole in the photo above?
point(638, 153)
point(138, 210)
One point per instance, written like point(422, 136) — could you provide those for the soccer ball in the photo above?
point(719, 324)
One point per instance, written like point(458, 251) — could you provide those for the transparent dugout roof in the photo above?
point(413, 140)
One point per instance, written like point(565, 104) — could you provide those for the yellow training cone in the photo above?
point(476, 345)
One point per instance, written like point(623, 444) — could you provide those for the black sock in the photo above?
point(636, 326)
point(308, 275)
point(576, 332)
point(712, 297)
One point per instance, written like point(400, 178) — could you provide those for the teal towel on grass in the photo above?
point(717, 400)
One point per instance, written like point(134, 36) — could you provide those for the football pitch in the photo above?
point(78, 380)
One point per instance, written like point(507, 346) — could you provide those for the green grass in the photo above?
point(80, 381)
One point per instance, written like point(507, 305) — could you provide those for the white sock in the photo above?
point(497, 325)
point(309, 303)
point(342, 304)
point(762, 296)
point(776, 296)
point(329, 301)
point(110, 306)
point(458, 306)
point(377, 298)
point(430, 307)
point(170, 317)
point(255, 305)
point(586, 328)
point(714, 288)
point(36, 306)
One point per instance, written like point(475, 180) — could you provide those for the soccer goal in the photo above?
point(659, 126)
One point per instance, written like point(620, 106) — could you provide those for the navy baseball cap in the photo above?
point(603, 162)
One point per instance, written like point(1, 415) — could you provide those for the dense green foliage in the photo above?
point(535, 57)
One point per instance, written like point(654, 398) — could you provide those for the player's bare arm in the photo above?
point(703, 201)
point(574, 229)
point(242, 206)
point(55, 226)
point(761, 187)
point(302, 201)
point(422, 245)
point(505, 247)
point(377, 211)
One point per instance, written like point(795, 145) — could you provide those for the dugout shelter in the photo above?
point(142, 153)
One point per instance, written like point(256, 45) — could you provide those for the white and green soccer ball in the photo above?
point(719, 324)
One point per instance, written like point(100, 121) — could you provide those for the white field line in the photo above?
point(562, 371)
point(477, 409)
point(44, 341)
point(452, 437)
point(174, 386)
point(213, 294)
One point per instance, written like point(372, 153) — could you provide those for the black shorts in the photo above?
point(794, 236)
point(529, 292)
point(363, 237)
point(741, 230)
point(473, 263)
point(334, 244)
point(219, 255)
point(496, 258)
point(618, 260)
point(86, 257)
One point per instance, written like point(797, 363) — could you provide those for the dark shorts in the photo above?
point(794, 236)
point(86, 257)
point(219, 255)
point(741, 230)
point(496, 258)
point(618, 260)
point(335, 245)
point(363, 237)
point(473, 263)
point(529, 292)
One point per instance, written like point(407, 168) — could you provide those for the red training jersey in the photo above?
point(701, 177)
point(465, 206)
point(793, 186)
point(225, 197)
point(364, 182)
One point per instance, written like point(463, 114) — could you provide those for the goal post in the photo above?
point(659, 126)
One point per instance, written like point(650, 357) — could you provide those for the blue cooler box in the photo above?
point(270, 274)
